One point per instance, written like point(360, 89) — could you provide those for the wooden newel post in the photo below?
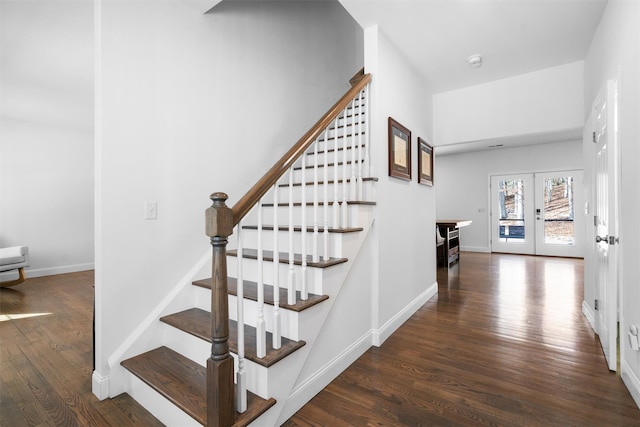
point(220, 388)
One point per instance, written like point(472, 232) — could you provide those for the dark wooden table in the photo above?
point(449, 230)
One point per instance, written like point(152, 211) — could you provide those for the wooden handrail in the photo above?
point(253, 196)
point(357, 77)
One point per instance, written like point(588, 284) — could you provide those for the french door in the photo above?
point(538, 214)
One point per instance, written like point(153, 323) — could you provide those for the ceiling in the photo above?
point(513, 36)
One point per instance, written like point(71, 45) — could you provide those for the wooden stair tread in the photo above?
point(251, 292)
point(349, 202)
point(309, 229)
point(340, 181)
point(183, 383)
point(197, 322)
point(284, 258)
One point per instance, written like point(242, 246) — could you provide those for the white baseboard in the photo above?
point(51, 271)
point(475, 249)
point(304, 392)
point(380, 335)
point(631, 380)
point(323, 376)
point(99, 385)
point(589, 314)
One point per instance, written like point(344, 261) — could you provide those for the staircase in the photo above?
point(295, 236)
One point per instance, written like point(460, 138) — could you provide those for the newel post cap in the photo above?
point(219, 217)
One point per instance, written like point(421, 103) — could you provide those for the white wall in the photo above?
point(544, 101)
point(405, 224)
point(615, 52)
point(46, 133)
point(463, 181)
point(190, 104)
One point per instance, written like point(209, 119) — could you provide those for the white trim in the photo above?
point(99, 385)
point(380, 335)
point(631, 381)
point(155, 314)
point(50, 271)
point(301, 394)
point(484, 249)
point(589, 314)
point(305, 391)
point(101, 373)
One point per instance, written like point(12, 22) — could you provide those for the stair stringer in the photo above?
point(284, 377)
point(332, 351)
point(150, 333)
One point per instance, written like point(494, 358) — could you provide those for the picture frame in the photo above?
point(425, 163)
point(399, 151)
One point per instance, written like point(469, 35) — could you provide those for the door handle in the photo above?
point(604, 239)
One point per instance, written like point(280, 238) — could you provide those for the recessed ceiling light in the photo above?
point(475, 60)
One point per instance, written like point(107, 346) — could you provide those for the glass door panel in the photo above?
point(512, 213)
point(560, 229)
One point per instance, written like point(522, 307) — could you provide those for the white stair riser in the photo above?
point(353, 214)
point(250, 240)
point(360, 125)
point(329, 157)
point(283, 192)
point(307, 174)
point(161, 408)
point(199, 351)
point(288, 318)
point(250, 272)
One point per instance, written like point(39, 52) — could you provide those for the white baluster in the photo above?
point(241, 376)
point(352, 180)
point(367, 113)
point(360, 185)
point(336, 187)
point(304, 294)
point(291, 297)
point(345, 183)
point(277, 334)
point(261, 331)
point(325, 195)
point(314, 242)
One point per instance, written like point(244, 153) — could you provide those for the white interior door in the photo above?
point(512, 214)
point(559, 217)
point(605, 221)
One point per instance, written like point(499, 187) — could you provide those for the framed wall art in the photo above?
point(425, 162)
point(399, 150)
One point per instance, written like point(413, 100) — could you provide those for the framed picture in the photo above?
point(425, 162)
point(399, 150)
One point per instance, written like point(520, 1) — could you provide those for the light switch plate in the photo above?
point(151, 210)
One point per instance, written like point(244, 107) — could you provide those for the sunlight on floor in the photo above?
point(5, 317)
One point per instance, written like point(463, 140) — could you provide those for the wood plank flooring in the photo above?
point(504, 344)
point(46, 358)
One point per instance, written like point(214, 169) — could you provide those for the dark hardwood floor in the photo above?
point(503, 344)
point(46, 358)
